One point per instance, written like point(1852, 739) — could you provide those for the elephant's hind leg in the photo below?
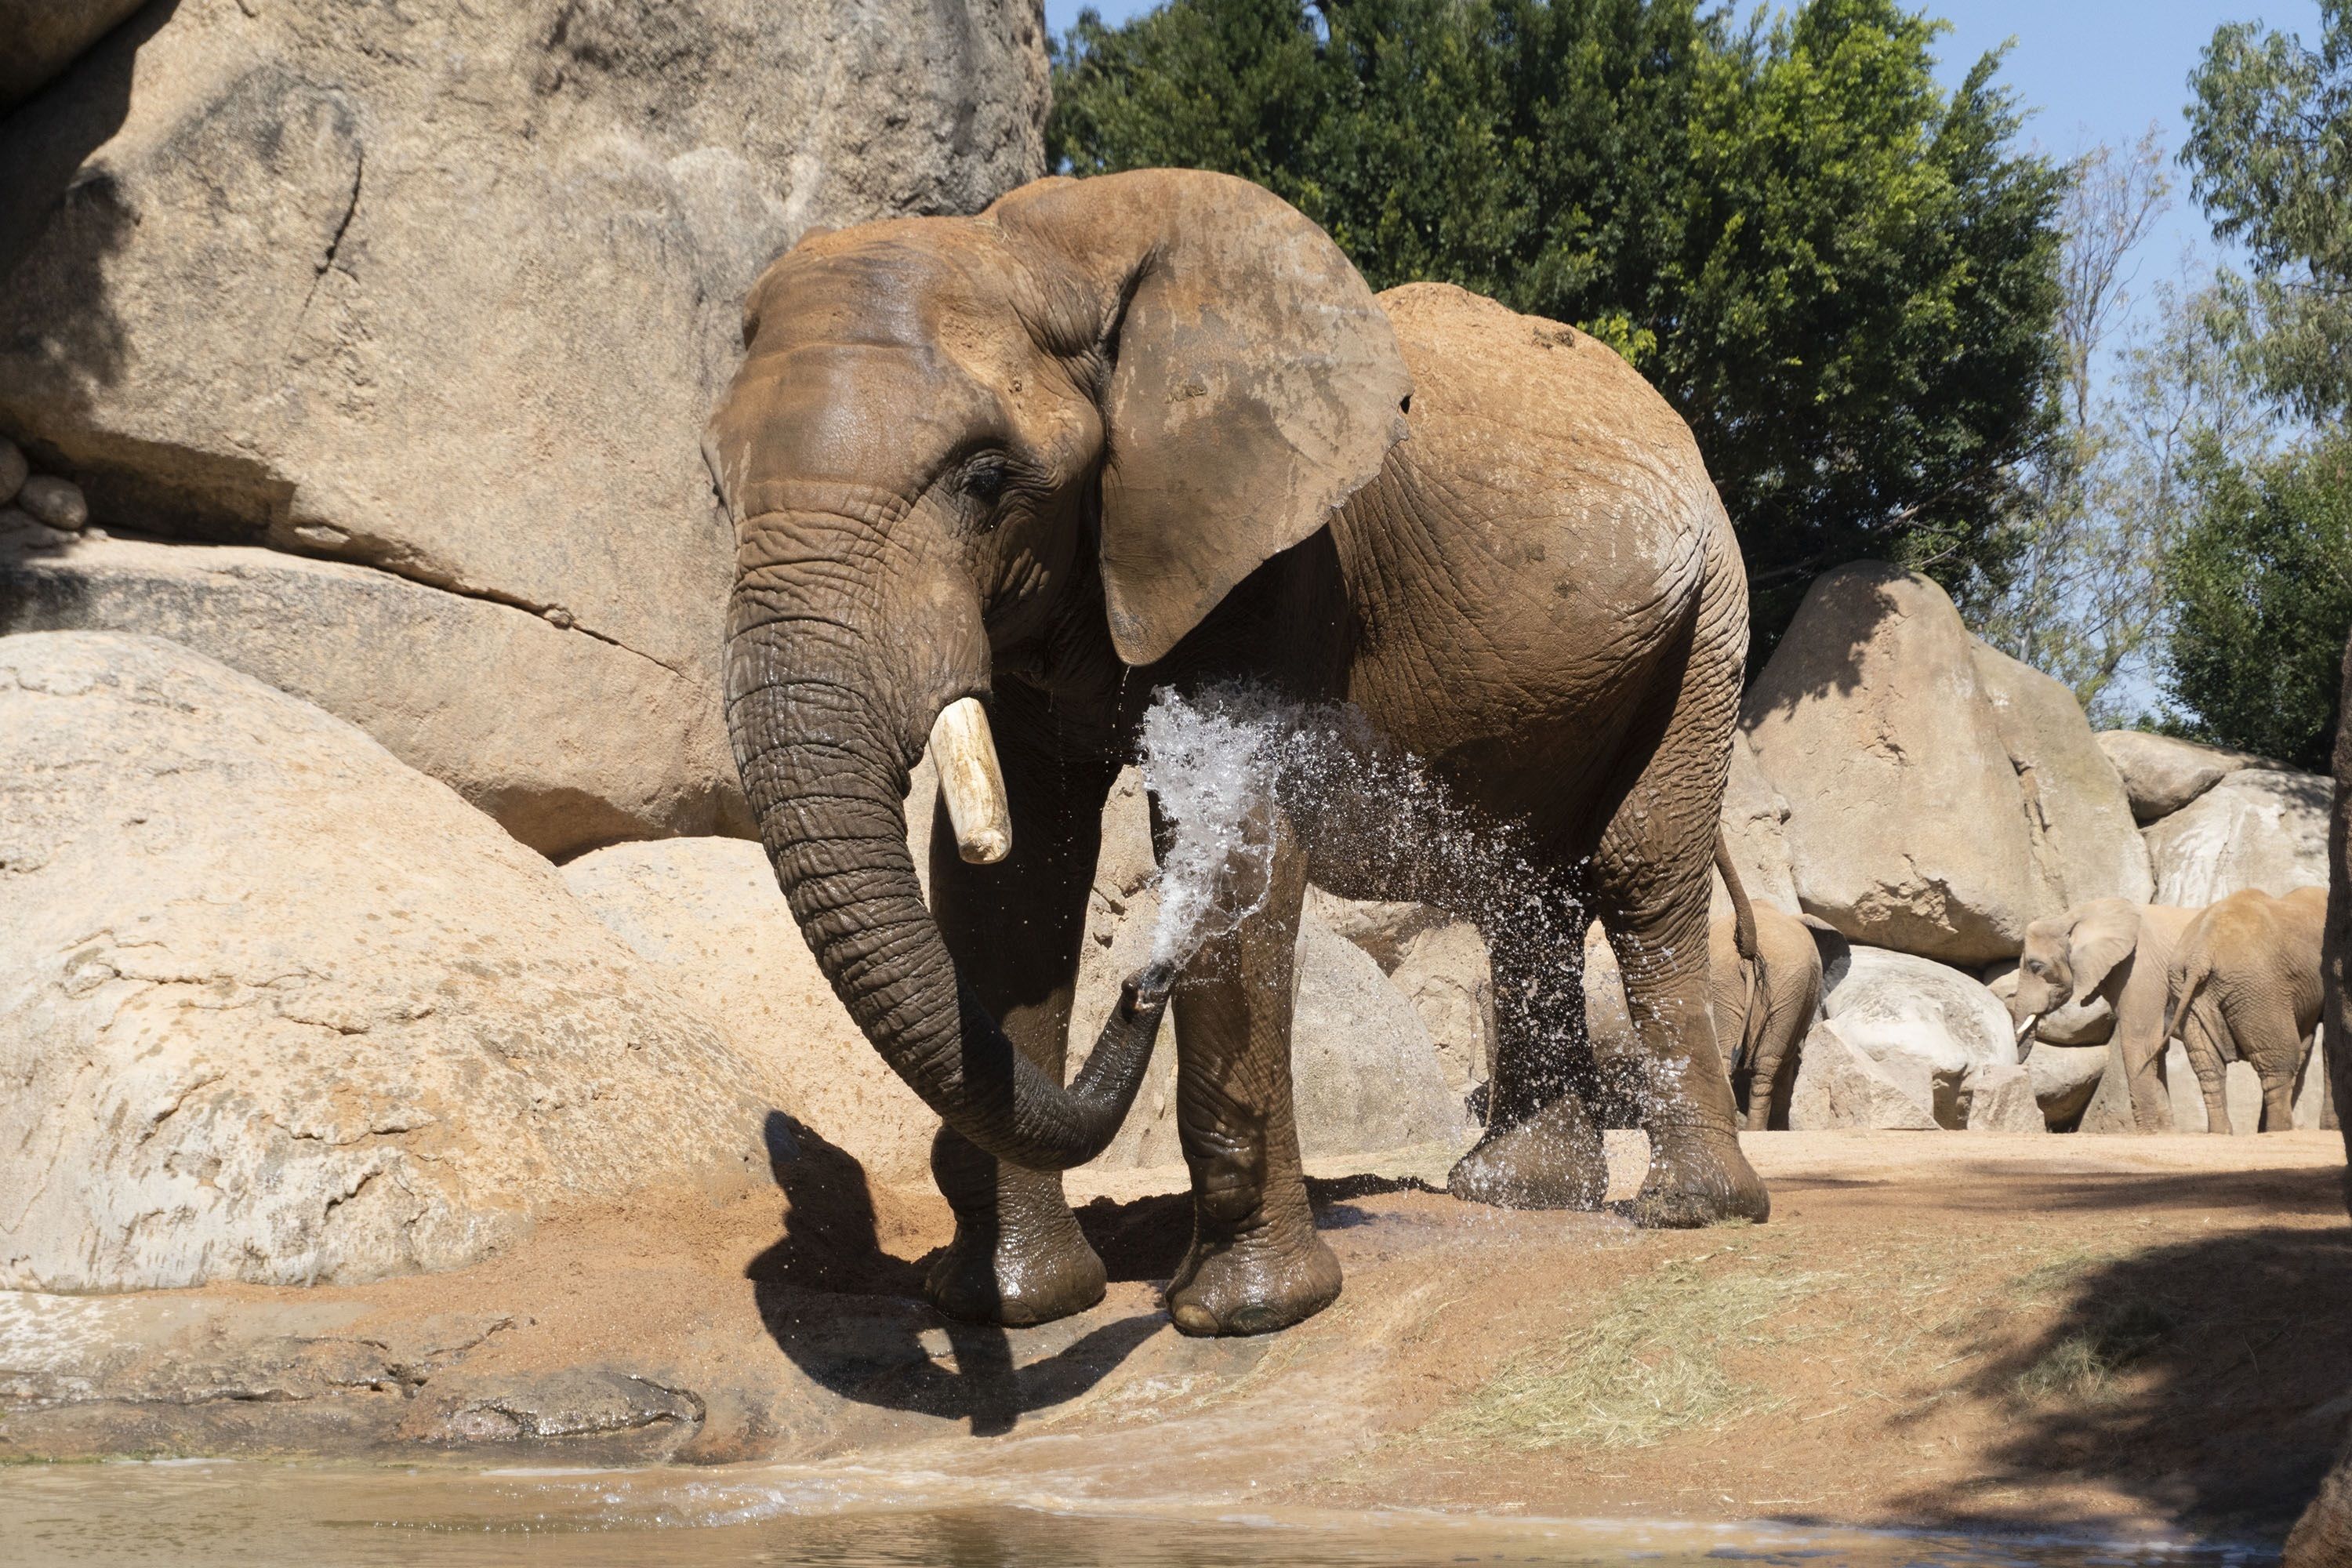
point(1014, 929)
point(1649, 877)
point(1255, 1264)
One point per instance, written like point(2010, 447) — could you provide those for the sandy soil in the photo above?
point(2136, 1335)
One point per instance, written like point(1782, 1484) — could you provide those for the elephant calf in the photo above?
point(1152, 432)
point(2120, 951)
point(2245, 984)
point(1766, 983)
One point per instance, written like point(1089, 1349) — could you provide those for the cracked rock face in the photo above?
point(275, 1008)
point(445, 292)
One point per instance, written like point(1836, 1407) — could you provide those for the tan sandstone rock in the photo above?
point(705, 916)
point(276, 1007)
point(446, 291)
point(546, 760)
point(1840, 1085)
point(2085, 844)
point(1998, 1097)
point(1906, 826)
point(2161, 774)
point(1755, 831)
point(2065, 1079)
point(2256, 827)
point(1919, 1015)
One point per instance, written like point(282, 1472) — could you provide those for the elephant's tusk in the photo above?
point(2025, 1036)
point(971, 782)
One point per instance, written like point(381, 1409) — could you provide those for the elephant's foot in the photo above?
point(1698, 1178)
point(1553, 1160)
point(1016, 1275)
point(1255, 1281)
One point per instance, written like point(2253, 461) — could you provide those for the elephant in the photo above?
point(1767, 987)
point(999, 481)
point(2245, 983)
point(2121, 951)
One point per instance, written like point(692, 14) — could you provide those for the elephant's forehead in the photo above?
point(943, 295)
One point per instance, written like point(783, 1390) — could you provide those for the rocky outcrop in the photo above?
point(1839, 1085)
point(2161, 774)
point(2256, 827)
point(445, 292)
point(2065, 1079)
point(2085, 844)
point(706, 916)
point(583, 745)
point(44, 37)
point(1914, 1016)
point(276, 1007)
point(1906, 826)
point(1998, 1097)
point(1446, 976)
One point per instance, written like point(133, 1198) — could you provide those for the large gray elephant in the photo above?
point(2246, 986)
point(1151, 431)
point(2120, 951)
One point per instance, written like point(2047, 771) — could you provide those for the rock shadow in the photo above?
point(849, 1314)
point(63, 216)
point(2211, 1378)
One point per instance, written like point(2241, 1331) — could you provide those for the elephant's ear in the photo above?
point(1255, 383)
point(2105, 935)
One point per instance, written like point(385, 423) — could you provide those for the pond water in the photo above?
point(256, 1515)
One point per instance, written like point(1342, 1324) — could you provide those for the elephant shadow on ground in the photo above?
point(849, 1314)
point(2212, 1379)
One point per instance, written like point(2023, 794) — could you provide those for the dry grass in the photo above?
point(2082, 1368)
point(1649, 1366)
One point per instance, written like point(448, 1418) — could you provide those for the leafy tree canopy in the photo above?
point(2261, 585)
point(2270, 140)
point(1842, 276)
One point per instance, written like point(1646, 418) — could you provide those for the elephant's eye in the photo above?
point(983, 480)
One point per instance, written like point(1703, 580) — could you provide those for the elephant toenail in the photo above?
point(1192, 1318)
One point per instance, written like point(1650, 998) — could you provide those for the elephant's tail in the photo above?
point(1743, 940)
point(2176, 1011)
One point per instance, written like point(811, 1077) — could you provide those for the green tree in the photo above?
point(2261, 585)
point(2270, 140)
point(1842, 276)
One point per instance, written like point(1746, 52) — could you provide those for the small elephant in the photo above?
point(1151, 431)
point(1767, 987)
point(2245, 984)
point(2120, 951)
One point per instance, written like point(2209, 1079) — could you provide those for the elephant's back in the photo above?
point(1538, 541)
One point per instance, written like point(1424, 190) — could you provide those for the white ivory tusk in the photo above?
point(971, 782)
point(2027, 1027)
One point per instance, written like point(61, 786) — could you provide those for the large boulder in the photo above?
point(1839, 1085)
point(2085, 844)
point(445, 292)
point(42, 37)
point(1448, 977)
point(2257, 827)
point(543, 759)
point(2065, 1079)
point(2161, 774)
point(1907, 827)
point(706, 916)
point(1915, 1014)
point(276, 1007)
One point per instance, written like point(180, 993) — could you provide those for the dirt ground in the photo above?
point(2143, 1336)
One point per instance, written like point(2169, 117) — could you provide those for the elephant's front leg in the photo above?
point(1255, 1263)
point(1014, 930)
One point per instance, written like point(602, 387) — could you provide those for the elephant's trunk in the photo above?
point(825, 765)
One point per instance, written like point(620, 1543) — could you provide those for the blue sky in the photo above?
point(2093, 70)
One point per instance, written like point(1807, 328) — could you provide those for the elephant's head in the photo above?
point(2068, 957)
point(962, 443)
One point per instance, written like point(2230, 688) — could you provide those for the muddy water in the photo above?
point(255, 1515)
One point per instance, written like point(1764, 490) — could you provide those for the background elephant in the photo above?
point(2245, 983)
point(1767, 987)
point(2122, 951)
point(1147, 432)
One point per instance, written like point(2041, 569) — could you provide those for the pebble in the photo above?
point(56, 502)
point(12, 469)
